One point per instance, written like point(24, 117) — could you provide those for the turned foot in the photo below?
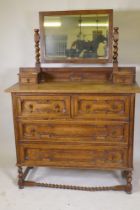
point(20, 178)
point(129, 182)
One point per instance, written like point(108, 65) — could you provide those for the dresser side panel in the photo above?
point(14, 107)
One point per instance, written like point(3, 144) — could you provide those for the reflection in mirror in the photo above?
point(84, 36)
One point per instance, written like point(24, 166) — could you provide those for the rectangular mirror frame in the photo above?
point(76, 60)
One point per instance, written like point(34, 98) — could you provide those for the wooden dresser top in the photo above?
point(74, 87)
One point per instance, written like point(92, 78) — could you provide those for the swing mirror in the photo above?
point(76, 36)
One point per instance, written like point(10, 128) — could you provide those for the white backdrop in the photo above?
point(18, 18)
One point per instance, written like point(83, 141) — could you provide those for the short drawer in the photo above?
point(43, 106)
point(96, 157)
point(70, 131)
point(28, 80)
point(129, 80)
point(101, 106)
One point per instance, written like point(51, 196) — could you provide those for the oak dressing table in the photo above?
point(75, 117)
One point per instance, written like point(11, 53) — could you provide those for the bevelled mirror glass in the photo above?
point(76, 36)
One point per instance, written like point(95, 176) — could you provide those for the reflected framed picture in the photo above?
point(83, 36)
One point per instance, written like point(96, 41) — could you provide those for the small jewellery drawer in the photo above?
point(101, 106)
point(43, 106)
point(70, 131)
point(28, 80)
point(96, 157)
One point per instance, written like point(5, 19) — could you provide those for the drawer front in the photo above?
point(97, 157)
point(28, 80)
point(44, 106)
point(119, 79)
point(101, 107)
point(107, 132)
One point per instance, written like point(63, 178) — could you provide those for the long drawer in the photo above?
point(71, 131)
point(92, 157)
point(101, 106)
point(56, 106)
